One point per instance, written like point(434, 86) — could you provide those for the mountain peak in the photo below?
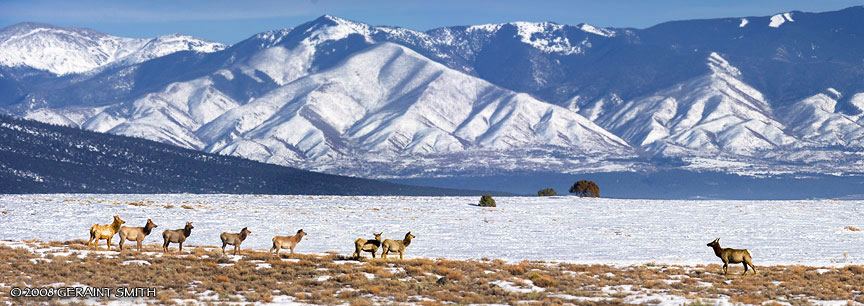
point(23, 29)
point(67, 50)
point(328, 27)
point(333, 21)
point(326, 19)
point(27, 25)
point(331, 18)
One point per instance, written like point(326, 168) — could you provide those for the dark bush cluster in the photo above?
point(548, 192)
point(487, 201)
point(585, 188)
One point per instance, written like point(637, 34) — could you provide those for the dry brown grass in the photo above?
point(332, 280)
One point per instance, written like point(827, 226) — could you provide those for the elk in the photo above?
point(136, 234)
point(176, 236)
point(732, 256)
point(363, 245)
point(396, 245)
point(287, 242)
point(234, 239)
point(107, 231)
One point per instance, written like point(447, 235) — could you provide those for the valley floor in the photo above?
point(550, 249)
point(201, 275)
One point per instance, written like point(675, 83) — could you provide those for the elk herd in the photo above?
point(106, 232)
point(137, 234)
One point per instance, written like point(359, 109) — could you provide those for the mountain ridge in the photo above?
point(746, 95)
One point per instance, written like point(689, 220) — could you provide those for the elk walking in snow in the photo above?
point(136, 234)
point(396, 245)
point(732, 256)
point(176, 236)
point(106, 231)
point(234, 239)
point(287, 242)
point(363, 245)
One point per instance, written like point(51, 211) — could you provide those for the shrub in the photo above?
point(542, 280)
point(585, 188)
point(548, 192)
point(487, 201)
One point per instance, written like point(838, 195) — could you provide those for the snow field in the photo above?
point(565, 229)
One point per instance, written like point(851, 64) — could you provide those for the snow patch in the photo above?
point(780, 19)
point(597, 31)
point(526, 287)
point(137, 262)
point(837, 94)
point(484, 28)
point(543, 36)
point(720, 65)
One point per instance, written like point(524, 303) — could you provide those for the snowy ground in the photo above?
point(566, 229)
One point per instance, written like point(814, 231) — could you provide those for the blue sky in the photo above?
point(232, 21)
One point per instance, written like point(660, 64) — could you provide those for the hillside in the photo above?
point(41, 158)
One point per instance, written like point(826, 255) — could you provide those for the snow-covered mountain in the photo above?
point(745, 95)
point(391, 101)
point(71, 50)
point(820, 119)
point(711, 114)
point(384, 103)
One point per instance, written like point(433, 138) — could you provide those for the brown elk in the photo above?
point(107, 231)
point(396, 245)
point(287, 242)
point(176, 236)
point(234, 239)
point(363, 245)
point(136, 234)
point(732, 256)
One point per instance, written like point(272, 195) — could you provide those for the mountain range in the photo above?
point(747, 95)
